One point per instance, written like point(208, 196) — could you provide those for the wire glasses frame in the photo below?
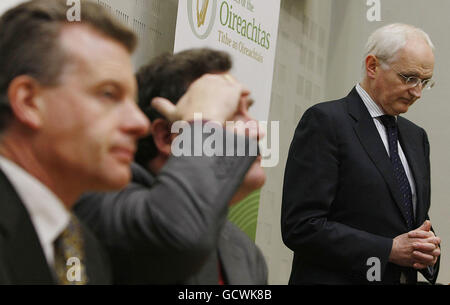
point(413, 81)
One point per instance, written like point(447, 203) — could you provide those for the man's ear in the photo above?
point(371, 66)
point(25, 101)
point(162, 136)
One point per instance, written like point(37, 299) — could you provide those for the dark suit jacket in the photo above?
point(341, 204)
point(241, 260)
point(22, 260)
point(161, 230)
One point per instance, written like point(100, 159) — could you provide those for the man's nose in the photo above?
point(134, 120)
point(417, 91)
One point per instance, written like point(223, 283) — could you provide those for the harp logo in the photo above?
point(201, 15)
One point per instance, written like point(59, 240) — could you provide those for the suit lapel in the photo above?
point(22, 251)
point(406, 139)
point(370, 139)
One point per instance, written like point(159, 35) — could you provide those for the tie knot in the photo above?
point(73, 229)
point(388, 121)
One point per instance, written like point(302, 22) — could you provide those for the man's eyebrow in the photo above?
point(250, 102)
point(109, 82)
point(117, 85)
point(416, 74)
point(411, 73)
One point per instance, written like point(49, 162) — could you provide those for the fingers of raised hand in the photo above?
point(166, 108)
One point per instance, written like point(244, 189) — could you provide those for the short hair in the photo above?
point(29, 42)
point(170, 76)
point(386, 41)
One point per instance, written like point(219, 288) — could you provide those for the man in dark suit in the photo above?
point(356, 189)
point(69, 124)
point(169, 225)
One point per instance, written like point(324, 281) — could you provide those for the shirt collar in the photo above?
point(374, 110)
point(48, 214)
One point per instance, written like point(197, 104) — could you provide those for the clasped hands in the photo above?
point(418, 248)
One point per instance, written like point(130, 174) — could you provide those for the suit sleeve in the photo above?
point(161, 234)
point(430, 273)
point(310, 185)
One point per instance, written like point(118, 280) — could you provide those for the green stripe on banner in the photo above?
point(244, 214)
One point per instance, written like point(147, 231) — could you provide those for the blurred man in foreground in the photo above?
point(69, 124)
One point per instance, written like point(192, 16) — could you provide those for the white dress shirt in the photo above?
point(48, 214)
point(375, 111)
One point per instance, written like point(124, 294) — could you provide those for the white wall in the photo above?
point(153, 21)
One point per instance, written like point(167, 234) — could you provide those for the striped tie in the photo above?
point(69, 255)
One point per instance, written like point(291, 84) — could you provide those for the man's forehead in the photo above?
point(417, 50)
point(416, 58)
point(87, 43)
point(92, 54)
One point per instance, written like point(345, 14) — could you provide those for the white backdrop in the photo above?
point(259, 16)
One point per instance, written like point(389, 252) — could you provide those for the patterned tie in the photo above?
point(69, 255)
point(399, 172)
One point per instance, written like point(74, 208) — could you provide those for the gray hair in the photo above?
point(386, 41)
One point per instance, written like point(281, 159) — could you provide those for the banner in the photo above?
point(246, 29)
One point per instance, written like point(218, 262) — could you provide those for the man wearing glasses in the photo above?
point(356, 189)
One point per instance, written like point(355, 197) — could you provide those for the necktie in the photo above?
point(399, 172)
point(69, 255)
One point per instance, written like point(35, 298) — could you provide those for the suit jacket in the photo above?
point(241, 260)
point(341, 204)
point(161, 230)
point(22, 260)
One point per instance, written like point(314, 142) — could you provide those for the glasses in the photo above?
point(413, 81)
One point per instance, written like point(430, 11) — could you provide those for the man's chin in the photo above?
point(253, 182)
point(402, 106)
point(115, 178)
point(256, 176)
